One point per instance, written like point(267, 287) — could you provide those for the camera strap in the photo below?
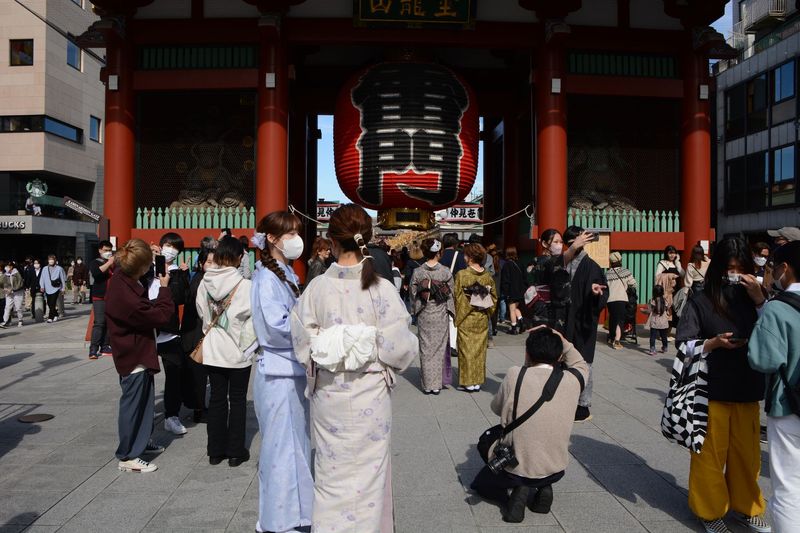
point(548, 392)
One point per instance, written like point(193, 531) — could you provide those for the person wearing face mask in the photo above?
point(132, 316)
point(100, 271)
point(177, 376)
point(286, 488)
point(31, 279)
point(14, 292)
point(774, 349)
point(717, 322)
point(80, 276)
point(761, 255)
point(53, 281)
point(223, 304)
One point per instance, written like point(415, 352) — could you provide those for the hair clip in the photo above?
point(259, 240)
point(436, 246)
point(358, 237)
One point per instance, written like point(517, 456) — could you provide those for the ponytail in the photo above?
point(351, 227)
point(271, 263)
point(368, 275)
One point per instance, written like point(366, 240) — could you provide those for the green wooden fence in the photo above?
point(195, 217)
point(641, 263)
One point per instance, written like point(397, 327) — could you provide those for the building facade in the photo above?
point(51, 128)
point(757, 121)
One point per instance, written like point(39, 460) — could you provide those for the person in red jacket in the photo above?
point(131, 318)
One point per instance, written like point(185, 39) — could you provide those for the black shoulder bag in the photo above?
point(792, 391)
point(56, 283)
point(495, 433)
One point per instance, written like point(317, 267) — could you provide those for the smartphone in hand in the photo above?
point(161, 265)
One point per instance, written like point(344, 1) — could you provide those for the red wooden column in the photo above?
point(119, 143)
point(551, 140)
point(511, 184)
point(273, 116)
point(696, 154)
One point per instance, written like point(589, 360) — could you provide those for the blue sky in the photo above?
point(328, 187)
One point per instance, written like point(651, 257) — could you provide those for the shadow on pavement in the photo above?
point(12, 431)
point(45, 365)
point(13, 359)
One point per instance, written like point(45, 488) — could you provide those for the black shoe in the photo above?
point(582, 414)
point(542, 500)
point(513, 330)
point(236, 461)
point(215, 460)
point(514, 512)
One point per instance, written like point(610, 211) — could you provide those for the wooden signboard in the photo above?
point(414, 13)
point(601, 249)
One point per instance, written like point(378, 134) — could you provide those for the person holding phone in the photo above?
point(588, 297)
point(717, 322)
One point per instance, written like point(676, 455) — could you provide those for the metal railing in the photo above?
point(756, 11)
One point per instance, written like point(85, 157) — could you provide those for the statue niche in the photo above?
point(209, 183)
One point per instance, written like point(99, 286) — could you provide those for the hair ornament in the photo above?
point(436, 246)
point(259, 240)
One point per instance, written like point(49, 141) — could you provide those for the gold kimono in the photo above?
point(473, 327)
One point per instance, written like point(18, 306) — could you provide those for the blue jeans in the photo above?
point(503, 310)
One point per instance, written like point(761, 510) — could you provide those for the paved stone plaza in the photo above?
point(61, 475)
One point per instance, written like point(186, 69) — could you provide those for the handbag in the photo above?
point(684, 419)
point(197, 353)
point(479, 296)
point(492, 435)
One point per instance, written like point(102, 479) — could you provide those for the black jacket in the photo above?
point(730, 378)
point(584, 307)
point(99, 278)
point(31, 279)
point(447, 260)
point(512, 281)
point(191, 326)
point(382, 262)
point(179, 288)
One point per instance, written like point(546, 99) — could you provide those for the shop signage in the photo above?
point(12, 224)
point(415, 13)
point(81, 209)
point(463, 213)
point(324, 211)
point(36, 188)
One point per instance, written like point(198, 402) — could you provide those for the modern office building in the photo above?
point(51, 128)
point(757, 121)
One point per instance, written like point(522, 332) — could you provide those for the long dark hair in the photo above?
point(669, 250)
point(345, 223)
point(277, 224)
point(698, 254)
point(658, 300)
point(725, 251)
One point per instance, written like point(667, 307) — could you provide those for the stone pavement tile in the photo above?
point(80, 455)
point(41, 529)
point(166, 479)
point(12, 529)
point(625, 430)
point(643, 492)
point(23, 508)
point(16, 452)
point(442, 514)
point(665, 457)
point(420, 474)
point(577, 479)
point(594, 512)
point(246, 515)
point(508, 528)
point(47, 478)
point(114, 512)
point(593, 447)
point(488, 514)
point(76, 500)
point(463, 449)
point(674, 526)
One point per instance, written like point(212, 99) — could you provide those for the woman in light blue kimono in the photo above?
point(286, 488)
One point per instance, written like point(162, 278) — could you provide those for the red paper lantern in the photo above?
point(406, 136)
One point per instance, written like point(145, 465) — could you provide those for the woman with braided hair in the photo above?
point(351, 329)
point(286, 488)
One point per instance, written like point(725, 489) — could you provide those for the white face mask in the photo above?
point(169, 253)
point(106, 255)
point(556, 248)
point(80, 261)
point(8, 269)
point(36, 265)
point(734, 277)
point(292, 247)
point(760, 261)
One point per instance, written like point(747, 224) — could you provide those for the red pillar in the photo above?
point(511, 187)
point(119, 144)
point(696, 154)
point(551, 141)
point(273, 115)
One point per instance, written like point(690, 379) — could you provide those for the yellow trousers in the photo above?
point(724, 475)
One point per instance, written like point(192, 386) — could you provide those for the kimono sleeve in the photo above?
point(413, 289)
point(269, 297)
point(493, 291)
point(304, 325)
point(462, 302)
point(397, 344)
point(451, 304)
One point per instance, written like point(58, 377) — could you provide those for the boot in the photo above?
point(542, 501)
point(514, 512)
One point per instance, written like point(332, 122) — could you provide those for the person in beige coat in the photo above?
point(541, 443)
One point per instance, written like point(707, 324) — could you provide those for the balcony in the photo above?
point(758, 15)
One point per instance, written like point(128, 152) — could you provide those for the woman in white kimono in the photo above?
point(351, 330)
point(286, 488)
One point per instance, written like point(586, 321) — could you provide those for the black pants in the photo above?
point(136, 406)
point(173, 359)
point(616, 317)
point(52, 305)
point(99, 330)
point(227, 411)
point(654, 334)
point(199, 379)
point(495, 487)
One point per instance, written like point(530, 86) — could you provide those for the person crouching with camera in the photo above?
point(543, 394)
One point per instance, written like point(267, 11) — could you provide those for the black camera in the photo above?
point(503, 457)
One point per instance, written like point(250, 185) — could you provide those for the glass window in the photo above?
point(757, 181)
point(757, 103)
point(78, 3)
point(735, 111)
point(73, 55)
point(736, 185)
point(56, 127)
point(783, 82)
point(21, 52)
point(94, 128)
point(21, 123)
point(783, 185)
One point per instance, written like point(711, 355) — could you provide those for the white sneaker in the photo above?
point(136, 465)
point(173, 425)
point(55, 319)
point(49, 320)
point(19, 324)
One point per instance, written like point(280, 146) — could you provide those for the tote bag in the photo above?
point(685, 417)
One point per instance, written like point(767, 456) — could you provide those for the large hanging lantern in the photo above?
point(406, 141)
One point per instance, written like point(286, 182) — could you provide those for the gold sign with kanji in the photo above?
point(414, 13)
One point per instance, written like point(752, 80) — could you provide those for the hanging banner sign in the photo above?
point(463, 213)
point(415, 13)
point(324, 211)
point(81, 209)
